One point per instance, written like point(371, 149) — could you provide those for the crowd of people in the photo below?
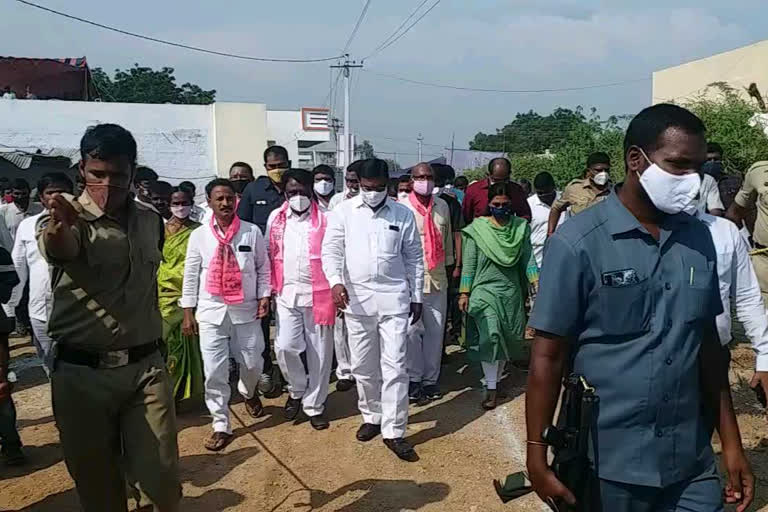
point(139, 298)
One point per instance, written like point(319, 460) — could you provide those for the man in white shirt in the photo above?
point(541, 206)
point(11, 214)
point(226, 291)
point(142, 182)
point(29, 263)
point(198, 211)
point(160, 193)
point(425, 339)
point(738, 282)
point(305, 310)
point(708, 200)
point(324, 186)
point(373, 260)
point(345, 380)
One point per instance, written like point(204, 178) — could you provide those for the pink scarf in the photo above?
point(224, 277)
point(323, 308)
point(434, 251)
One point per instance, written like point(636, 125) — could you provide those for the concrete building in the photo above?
point(180, 142)
point(739, 68)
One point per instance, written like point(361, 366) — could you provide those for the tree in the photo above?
point(365, 149)
point(146, 85)
point(531, 132)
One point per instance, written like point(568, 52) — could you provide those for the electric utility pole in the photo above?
point(349, 151)
point(420, 140)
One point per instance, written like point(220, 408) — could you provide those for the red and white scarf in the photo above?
point(323, 309)
point(224, 277)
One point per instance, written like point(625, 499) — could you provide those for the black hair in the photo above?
point(598, 157)
point(355, 167)
point(108, 141)
point(20, 184)
point(144, 173)
point(278, 151)
point(461, 180)
point(302, 176)
point(161, 188)
point(647, 126)
point(392, 186)
point(405, 178)
point(183, 190)
point(543, 180)
point(525, 184)
point(54, 178)
point(241, 164)
point(187, 186)
point(498, 158)
point(714, 147)
point(218, 182)
point(325, 170)
point(500, 189)
point(373, 168)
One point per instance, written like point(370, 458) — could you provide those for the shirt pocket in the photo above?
point(625, 310)
point(697, 294)
point(244, 258)
point(389, 243)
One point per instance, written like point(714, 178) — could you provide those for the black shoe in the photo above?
point(367, 431)
point(416, 394)
point(432, 392)
point(402, 449)
point(344, 384)
point(13, 456)
point(292, 408)
point(319, 422)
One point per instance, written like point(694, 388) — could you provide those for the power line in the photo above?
point(510, 91)
point(393, 41)
point(171, 43)
point(393, 34)
point(357, 25)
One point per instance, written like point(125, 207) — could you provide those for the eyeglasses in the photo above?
point(421, 178)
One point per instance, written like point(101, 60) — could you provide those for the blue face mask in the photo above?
point(502, 214)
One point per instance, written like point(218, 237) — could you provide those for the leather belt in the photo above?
point(106, 360)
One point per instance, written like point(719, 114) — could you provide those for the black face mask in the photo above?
point(713, 168)
point(239, 185)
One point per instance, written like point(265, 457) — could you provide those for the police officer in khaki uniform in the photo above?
point(581, 194)
point(754, 195)
point(112, 397)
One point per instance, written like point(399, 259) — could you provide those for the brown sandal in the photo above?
point(218, 441)
point(254, 407)
point(490, 400)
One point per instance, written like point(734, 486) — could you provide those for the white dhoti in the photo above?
point(244, 343)
point(377, 347)
point(297, 333)
point(425, 340)
point(341, 345)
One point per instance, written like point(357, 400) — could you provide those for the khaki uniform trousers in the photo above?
point(760, 262)
point(117, 421)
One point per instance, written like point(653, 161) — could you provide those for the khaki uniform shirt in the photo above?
point(754, 193)
point(105, 298)
point(580, 195)
point(436, 280)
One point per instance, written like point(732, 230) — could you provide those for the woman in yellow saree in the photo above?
point(184, 360)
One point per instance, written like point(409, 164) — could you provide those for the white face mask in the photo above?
point(181, 212)
point(669, 193)
point(299, 204)
point(323, 188)
point(373, 198)
point(402, 196)
point(600, 178)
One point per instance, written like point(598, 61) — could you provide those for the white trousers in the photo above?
point(43, 343)
point(297, 333)
point(425, 340)
point(491, 372)
point(343, 363)
point(244, 343)
point(377, 346)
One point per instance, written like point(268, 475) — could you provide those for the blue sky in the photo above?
point(506, 44)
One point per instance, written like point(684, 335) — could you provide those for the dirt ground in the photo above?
point(279, 466)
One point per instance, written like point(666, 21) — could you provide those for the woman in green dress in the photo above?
point(184, 363)
point(494, 286)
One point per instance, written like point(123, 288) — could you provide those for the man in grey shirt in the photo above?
point(628, 299)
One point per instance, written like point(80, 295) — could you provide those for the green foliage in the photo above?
point(146, 85)
point(365, 149)
point(531, 132)
point(727, 117)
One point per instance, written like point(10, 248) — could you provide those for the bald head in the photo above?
point(499, 170)
point(422, 169)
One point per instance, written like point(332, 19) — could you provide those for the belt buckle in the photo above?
point(114, 359)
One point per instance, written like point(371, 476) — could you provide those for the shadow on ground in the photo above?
point(38, 458)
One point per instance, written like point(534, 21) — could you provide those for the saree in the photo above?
point(184, 362)
point(496, 276)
